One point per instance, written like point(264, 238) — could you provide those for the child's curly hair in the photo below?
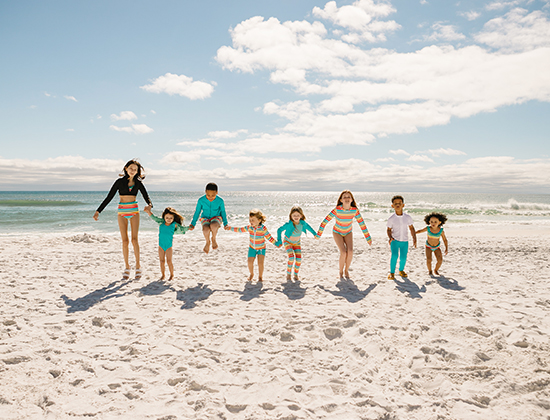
point(258, 215)
point(178, 218)
point(442, 218)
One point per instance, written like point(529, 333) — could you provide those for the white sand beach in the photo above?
point(77, 342)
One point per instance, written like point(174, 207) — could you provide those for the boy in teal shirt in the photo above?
point(212, 209)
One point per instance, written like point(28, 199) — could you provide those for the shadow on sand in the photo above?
point(156, 288)
point(293, 290)
point(86, 302)
point(349, 290)
point(251, 291)
point(192, 295)
point(448, 283)
point(410, 288)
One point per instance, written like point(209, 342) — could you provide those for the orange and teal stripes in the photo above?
point(343, 222)
point(258, 235)
point(128, 210)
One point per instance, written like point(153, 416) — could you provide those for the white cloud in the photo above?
point(178, 158)
point(70, 98)
point(445, 152)
point(226, 134)
point(517, 31)
point(124, 116)
point(419, 158)
point(360, 18)
point(499, 5)
point(398, 92)
point(134, 129)
point(399, 152)
point(471, 15)
point(173, 84)
point(445, 33)
point(69, 129)
point(153, 112)
point(47, 94)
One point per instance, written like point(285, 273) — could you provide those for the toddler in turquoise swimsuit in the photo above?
point(169, 224)
point(435, 222)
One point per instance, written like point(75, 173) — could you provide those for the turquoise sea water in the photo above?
point(71, 212)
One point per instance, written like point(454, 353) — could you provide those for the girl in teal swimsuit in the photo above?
point(435, 222)
point(170, 223)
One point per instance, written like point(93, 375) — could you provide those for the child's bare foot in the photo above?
point(436, 272)
point(260, 279)
point(403, 274)
point(171, 277)
point(207, 247)
point(295, 278)
point(214, 244)
point(430, 273)
point(288, 277)
point(346, 275)
point(161, 277)
point(250, 277)
point(391, 276)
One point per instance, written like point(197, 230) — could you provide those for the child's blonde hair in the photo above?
point(299, 210)
point(258, 215)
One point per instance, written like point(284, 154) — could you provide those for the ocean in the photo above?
point(66, 212)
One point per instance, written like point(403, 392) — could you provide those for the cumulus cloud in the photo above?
point(445, 152)
point(517, 31)
point(420, 158)
point(124, 116)
point(174, 84)
point(134, 129)
point(470, 15)
point(369, 93)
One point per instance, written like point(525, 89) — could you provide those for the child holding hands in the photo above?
point(169, 224)
point(258, 234)
point(293, 230)
point(435, 222)
point(398, 224)
point(212, 209)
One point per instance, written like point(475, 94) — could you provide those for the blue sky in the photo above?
point(408, 95)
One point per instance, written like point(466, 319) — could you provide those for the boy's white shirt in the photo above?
point(400, 226)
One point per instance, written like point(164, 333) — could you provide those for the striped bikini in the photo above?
point(434, 236)
point(344, 221)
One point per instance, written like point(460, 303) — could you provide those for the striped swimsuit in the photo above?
point(343, 222)
point(257, 237)
point(434, 236)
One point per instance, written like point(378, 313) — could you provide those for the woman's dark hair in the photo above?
point(140, 173)
point(211, 187)
point(442, 218)
point(178, 218)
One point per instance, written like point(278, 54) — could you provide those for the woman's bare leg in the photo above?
point(134, 225)
point(123, 226)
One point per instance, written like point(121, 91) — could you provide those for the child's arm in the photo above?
point(363, 227)
point(325, 222)
point(270, 238)
point(198, 210)
point(224, 215)
point(180, 229)
point(237, 229)
point(422, 230)
point(308, 227)
point(279, 235)
point(445, 242)
point(159, 220)
point(413, 234)
point(388, 231)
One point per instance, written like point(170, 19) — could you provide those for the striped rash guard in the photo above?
point(258, 235)
point(343, 222)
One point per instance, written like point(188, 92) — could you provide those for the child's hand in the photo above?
point(96, 215)
point(227, 228)
point(191, 227)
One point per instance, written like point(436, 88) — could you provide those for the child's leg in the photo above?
point(403, 251)
point(429, 259)
point(298, 263)
point(123, 227)
point(290, 252)
point(439, 256)
point(168, 253)
point(251, 267)
point(206, 233)
point(340, 243)
point(348, 240)
point(214, 226)
point(261, 260)
point(394, 245)
point(162, 266)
